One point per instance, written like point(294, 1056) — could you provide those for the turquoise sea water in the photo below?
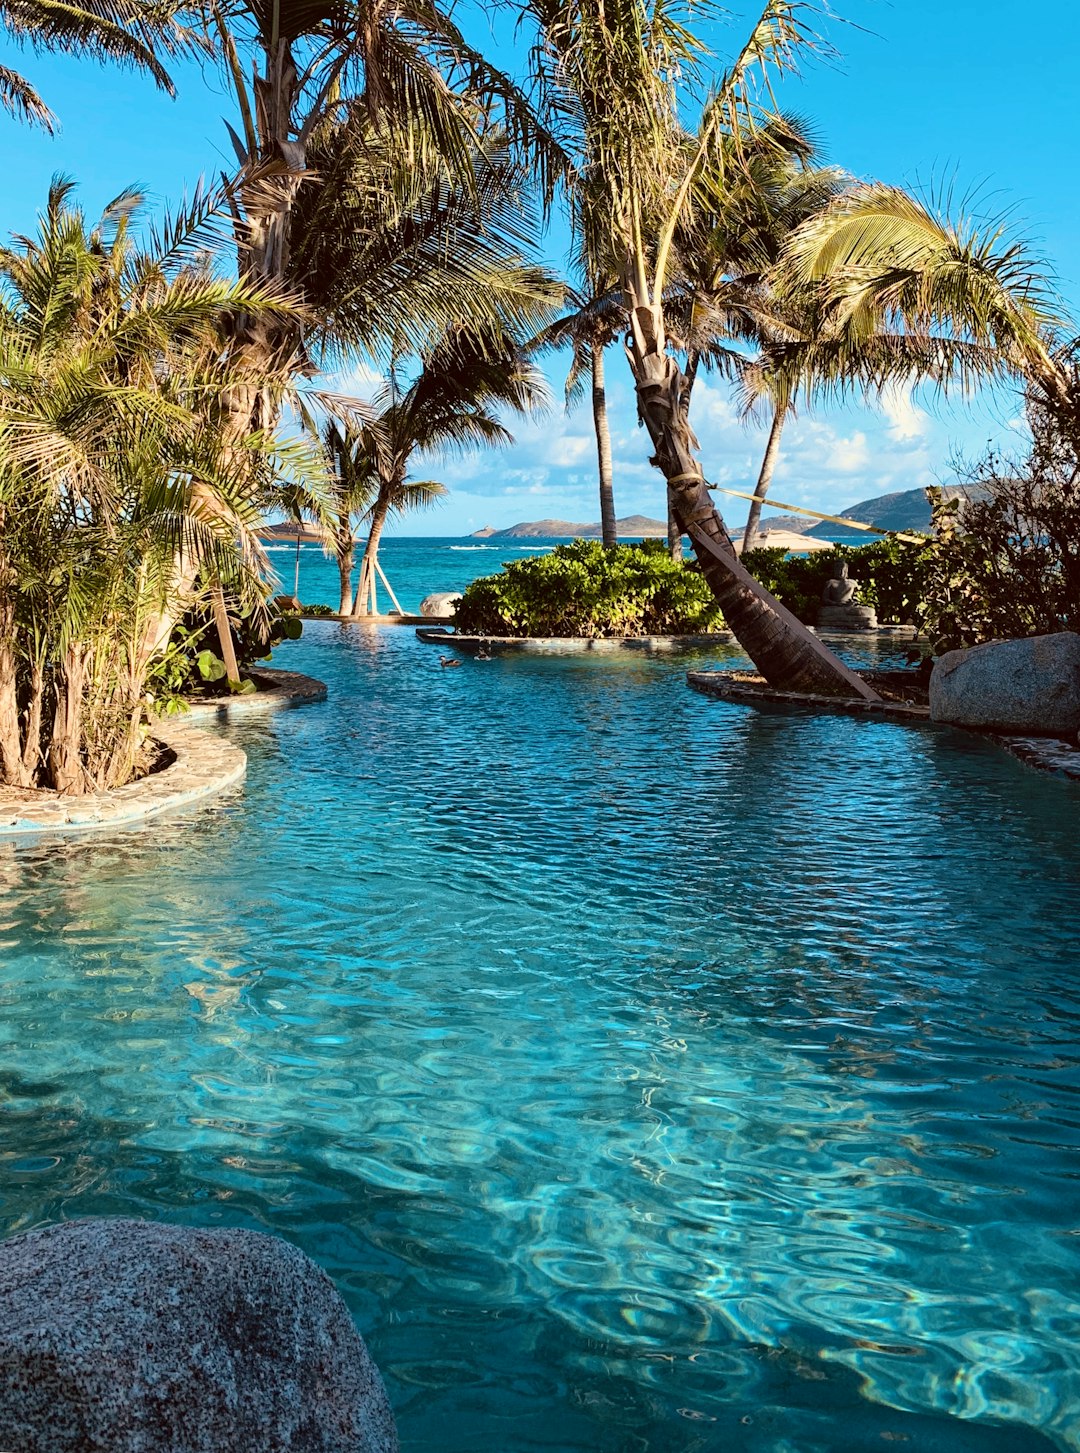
point(415, 567)
point(649, 1073)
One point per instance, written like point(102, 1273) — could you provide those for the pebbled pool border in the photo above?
point(204, 765)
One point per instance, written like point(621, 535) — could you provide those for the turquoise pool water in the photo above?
point(649, 1073)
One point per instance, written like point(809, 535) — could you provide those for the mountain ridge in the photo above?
point(632, 526)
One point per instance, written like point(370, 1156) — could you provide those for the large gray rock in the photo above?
point(1011, 686)
point(441, 605)
point(129, 1337)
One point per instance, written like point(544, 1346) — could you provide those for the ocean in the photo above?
point(417, 566)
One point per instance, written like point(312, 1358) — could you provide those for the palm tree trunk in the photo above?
point(674, 530)
point(371, 554)
point(13, 768)
point(761, 489)
point(345, 553)
point(608, 528)
point(787, 654)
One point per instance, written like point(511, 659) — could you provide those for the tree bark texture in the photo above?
point(345, 551)
point(225, 636)
point(12, 757)
point(608, 528)
point(674, 529)
point(787, 653)
point(761, 489)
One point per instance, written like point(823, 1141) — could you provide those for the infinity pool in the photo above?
point(649, 1073)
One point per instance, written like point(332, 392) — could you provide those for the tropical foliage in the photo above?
point(129, 32)
point(340, 104)
point(589, 589)
point(453, 403)
point(119, 492)
point(625, 75)
point(891, 575)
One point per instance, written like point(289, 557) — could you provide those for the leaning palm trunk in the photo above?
point(785, 651)
point(674, 531)
point(608, 527)
point(761, 489)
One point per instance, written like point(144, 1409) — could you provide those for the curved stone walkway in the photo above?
point(204, 765)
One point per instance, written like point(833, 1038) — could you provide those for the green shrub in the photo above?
point(589, 589)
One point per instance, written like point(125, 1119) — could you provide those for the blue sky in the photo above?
point(922, 94)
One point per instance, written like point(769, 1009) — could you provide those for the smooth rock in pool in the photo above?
point(441, 605)
point(1031, 685)
point(130, 1337)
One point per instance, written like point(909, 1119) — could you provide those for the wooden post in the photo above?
point(224, 630)
point(393, 597)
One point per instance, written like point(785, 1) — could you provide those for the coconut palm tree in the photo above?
point(452, 404)
point(626, 72)
point(887, 263)
point(589, 327)
point(727, 248)
point(117, 480)
point(129, 32)
point(378, 73)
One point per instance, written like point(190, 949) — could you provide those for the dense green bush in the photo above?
point(588, 589)
point(892, 576)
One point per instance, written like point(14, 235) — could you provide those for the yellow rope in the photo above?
point(817, 515)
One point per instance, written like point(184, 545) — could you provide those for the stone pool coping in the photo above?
point(1046, 754)
point(280, 689)
point(434, 635)
point(203, 765)
point(750, 693)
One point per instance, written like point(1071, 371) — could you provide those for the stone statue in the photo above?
point(839, 610)
point(839, 590)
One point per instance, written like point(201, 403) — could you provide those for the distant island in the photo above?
point(633, 527)
point(905, 509)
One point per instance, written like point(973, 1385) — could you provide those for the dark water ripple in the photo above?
point(649, 1074)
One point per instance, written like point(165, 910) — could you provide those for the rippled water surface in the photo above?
point(649, 1073)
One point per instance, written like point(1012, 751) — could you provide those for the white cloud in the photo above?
point(847, 456)
point(906, 421)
